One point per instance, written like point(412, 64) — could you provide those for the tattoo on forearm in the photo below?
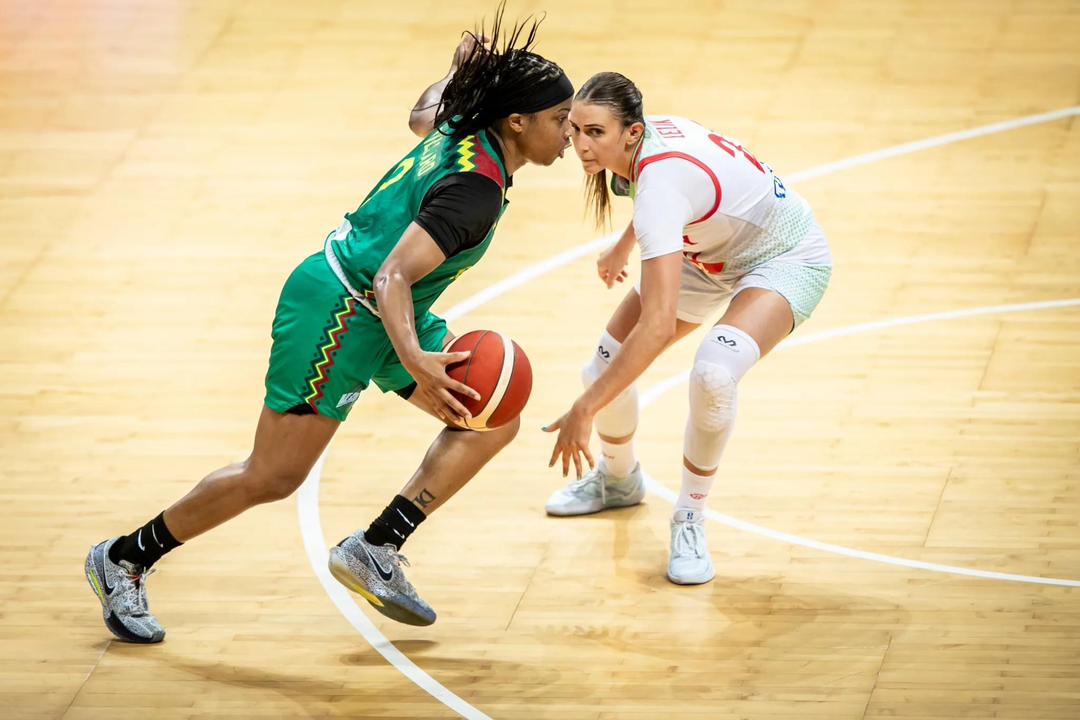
point(424, 498)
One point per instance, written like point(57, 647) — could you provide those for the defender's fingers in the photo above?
point(589, 457)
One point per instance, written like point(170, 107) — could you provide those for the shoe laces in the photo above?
point(592, 477)
point(135, 590)
point(690, 539)
point(396, 557)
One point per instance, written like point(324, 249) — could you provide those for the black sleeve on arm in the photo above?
point(459, 210)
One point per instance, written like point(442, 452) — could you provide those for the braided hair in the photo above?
point(495, 81)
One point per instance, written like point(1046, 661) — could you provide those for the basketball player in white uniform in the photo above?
point(713, 224)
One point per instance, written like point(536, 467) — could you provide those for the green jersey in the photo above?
point(357, 250)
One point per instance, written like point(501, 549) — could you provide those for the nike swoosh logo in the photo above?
point(405, 519)
point(138, 539)
point(386, 575)
point(104, 575)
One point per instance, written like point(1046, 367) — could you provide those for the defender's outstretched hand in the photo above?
point(575, 428)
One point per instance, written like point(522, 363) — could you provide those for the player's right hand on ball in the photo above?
point(433, 386)
point(611, 265)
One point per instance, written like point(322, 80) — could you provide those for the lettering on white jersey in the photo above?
point(743, 214)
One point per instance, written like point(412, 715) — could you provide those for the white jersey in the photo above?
point(704, 195)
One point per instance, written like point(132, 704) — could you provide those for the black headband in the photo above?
point(536, 97)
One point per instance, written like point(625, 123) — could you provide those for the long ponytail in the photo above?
point(621, 96)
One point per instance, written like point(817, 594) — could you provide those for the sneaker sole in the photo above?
point(346, 577)
point(629, 502)
point(693, 581)
point(115, 626)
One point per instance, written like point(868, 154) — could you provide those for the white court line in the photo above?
point(318, 555)
point(937, 141)
point(520, 278)
point(652, 394)
point(671, 496)
point(663, 386)
point(308, 497)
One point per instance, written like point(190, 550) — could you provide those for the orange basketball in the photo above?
point(499, 370)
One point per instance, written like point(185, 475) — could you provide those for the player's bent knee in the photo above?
point(606, 350)
point(508, 431)
point(503, 433)
point(712, 396)
point(591, 371)
point(276, 484)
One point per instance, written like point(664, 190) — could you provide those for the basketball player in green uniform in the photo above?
point(357, 312)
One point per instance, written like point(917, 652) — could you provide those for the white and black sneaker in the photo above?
point(374, 572)
point(121, 588)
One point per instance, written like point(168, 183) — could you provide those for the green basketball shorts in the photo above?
point(328, 347)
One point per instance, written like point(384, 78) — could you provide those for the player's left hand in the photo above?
point(575, 429)
point(465, 49)
point(611, 265)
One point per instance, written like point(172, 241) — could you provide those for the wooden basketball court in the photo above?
point(164, 166)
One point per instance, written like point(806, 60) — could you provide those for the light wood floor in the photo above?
point(164, 165)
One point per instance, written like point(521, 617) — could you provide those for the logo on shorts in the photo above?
point(348, 399)
point(705, 267)
point(778, 188)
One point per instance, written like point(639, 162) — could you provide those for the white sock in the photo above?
point(692, 495)
point(619, 419)
point(619, 460)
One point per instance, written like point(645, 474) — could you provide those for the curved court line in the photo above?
point(671, 496)
point(318, 555)
point(652, 394)
point(308, 497)
point(663, 386)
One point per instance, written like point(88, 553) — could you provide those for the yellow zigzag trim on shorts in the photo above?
point(331, 346)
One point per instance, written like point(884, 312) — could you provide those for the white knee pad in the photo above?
point(619, 418)
point(723, 358)
point(712, 396)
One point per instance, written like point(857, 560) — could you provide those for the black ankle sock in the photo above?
point(146, 545)
point(396, 523)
